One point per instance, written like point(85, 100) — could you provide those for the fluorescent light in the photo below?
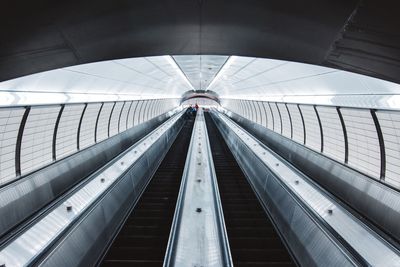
point(173, 63)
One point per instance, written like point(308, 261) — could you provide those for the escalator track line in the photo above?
point(252, 237)
point(143, 239)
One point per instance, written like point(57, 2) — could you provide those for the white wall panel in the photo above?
point(257, 111)
point(313, 132)
point(235, 106)
point(37, 139)
point(159, 104)
point(66, 141)
point(114, 122)
point(103, 121)
point(86, 135)
point(254, 112)
point(143, 111)
point(124, 116)
point(137, 113)
point(390, 125)
point(334, 145)
point(162, 106)
point(364, 150)
point(247, 109)
point(243, 109)
point(286, 124)
point(131, 113)
point(263, 116)
point(157, 110)
point(153, 108)
point(149, 108)
point(10, 119)
point(156, 105)
point(270, 120)
point(297, 123)
point(277, 117)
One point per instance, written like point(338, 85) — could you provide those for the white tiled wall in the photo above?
point(131, 114)
point(114, 123)
point(66, 142)
point(286, 125)
point(270, 120)
point(297, 123)
point(263, 117)
point(276, 116)
point(137, 113)
point(390, 125)
point(104, 119)
point(37, 139)
point(313, 132)
point(124, 116)
point(363, 143)
point(334, 145)
point(254, 111)
point(86, 136)
point(10, 120)
point(364, 150)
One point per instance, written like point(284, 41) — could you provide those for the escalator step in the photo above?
point(252, 237)
point(143, 239)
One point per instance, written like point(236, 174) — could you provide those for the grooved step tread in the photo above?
point(143, 239)
point(252, 237)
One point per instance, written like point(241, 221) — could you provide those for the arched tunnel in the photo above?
point(200, 133)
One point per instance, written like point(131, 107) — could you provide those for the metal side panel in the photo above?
point(309, 243)
point(86, 239)
point(198, 236)
point(375, 201)
point(21, 199)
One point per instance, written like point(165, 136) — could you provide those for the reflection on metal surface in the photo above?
point(369, 198)
point(198, 235)
point(23, 249)
point(373, 249)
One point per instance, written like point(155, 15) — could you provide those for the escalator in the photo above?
point(143, 239)
point(252, 237)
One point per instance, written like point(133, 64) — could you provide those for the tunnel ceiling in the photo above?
point(219, 76)
point(148, 77)
point(200, 70)
point(360, 36)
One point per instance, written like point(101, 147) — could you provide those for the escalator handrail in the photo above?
point(224, 249)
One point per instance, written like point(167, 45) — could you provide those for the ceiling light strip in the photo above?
point(172, 61)
point(224, 67)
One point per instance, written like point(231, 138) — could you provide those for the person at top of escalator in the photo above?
point(196, 107)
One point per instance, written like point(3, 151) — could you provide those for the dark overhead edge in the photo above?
point(357, 36)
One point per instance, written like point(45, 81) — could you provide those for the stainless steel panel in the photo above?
point(26, 196)
point(373, 200)
point(307, 240)
point(198, 237)
point(57, 222)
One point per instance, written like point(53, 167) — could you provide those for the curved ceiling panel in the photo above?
point(228, 77)
point(276, 80)
point(134, 78)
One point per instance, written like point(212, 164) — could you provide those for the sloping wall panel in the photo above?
point(37, 139)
